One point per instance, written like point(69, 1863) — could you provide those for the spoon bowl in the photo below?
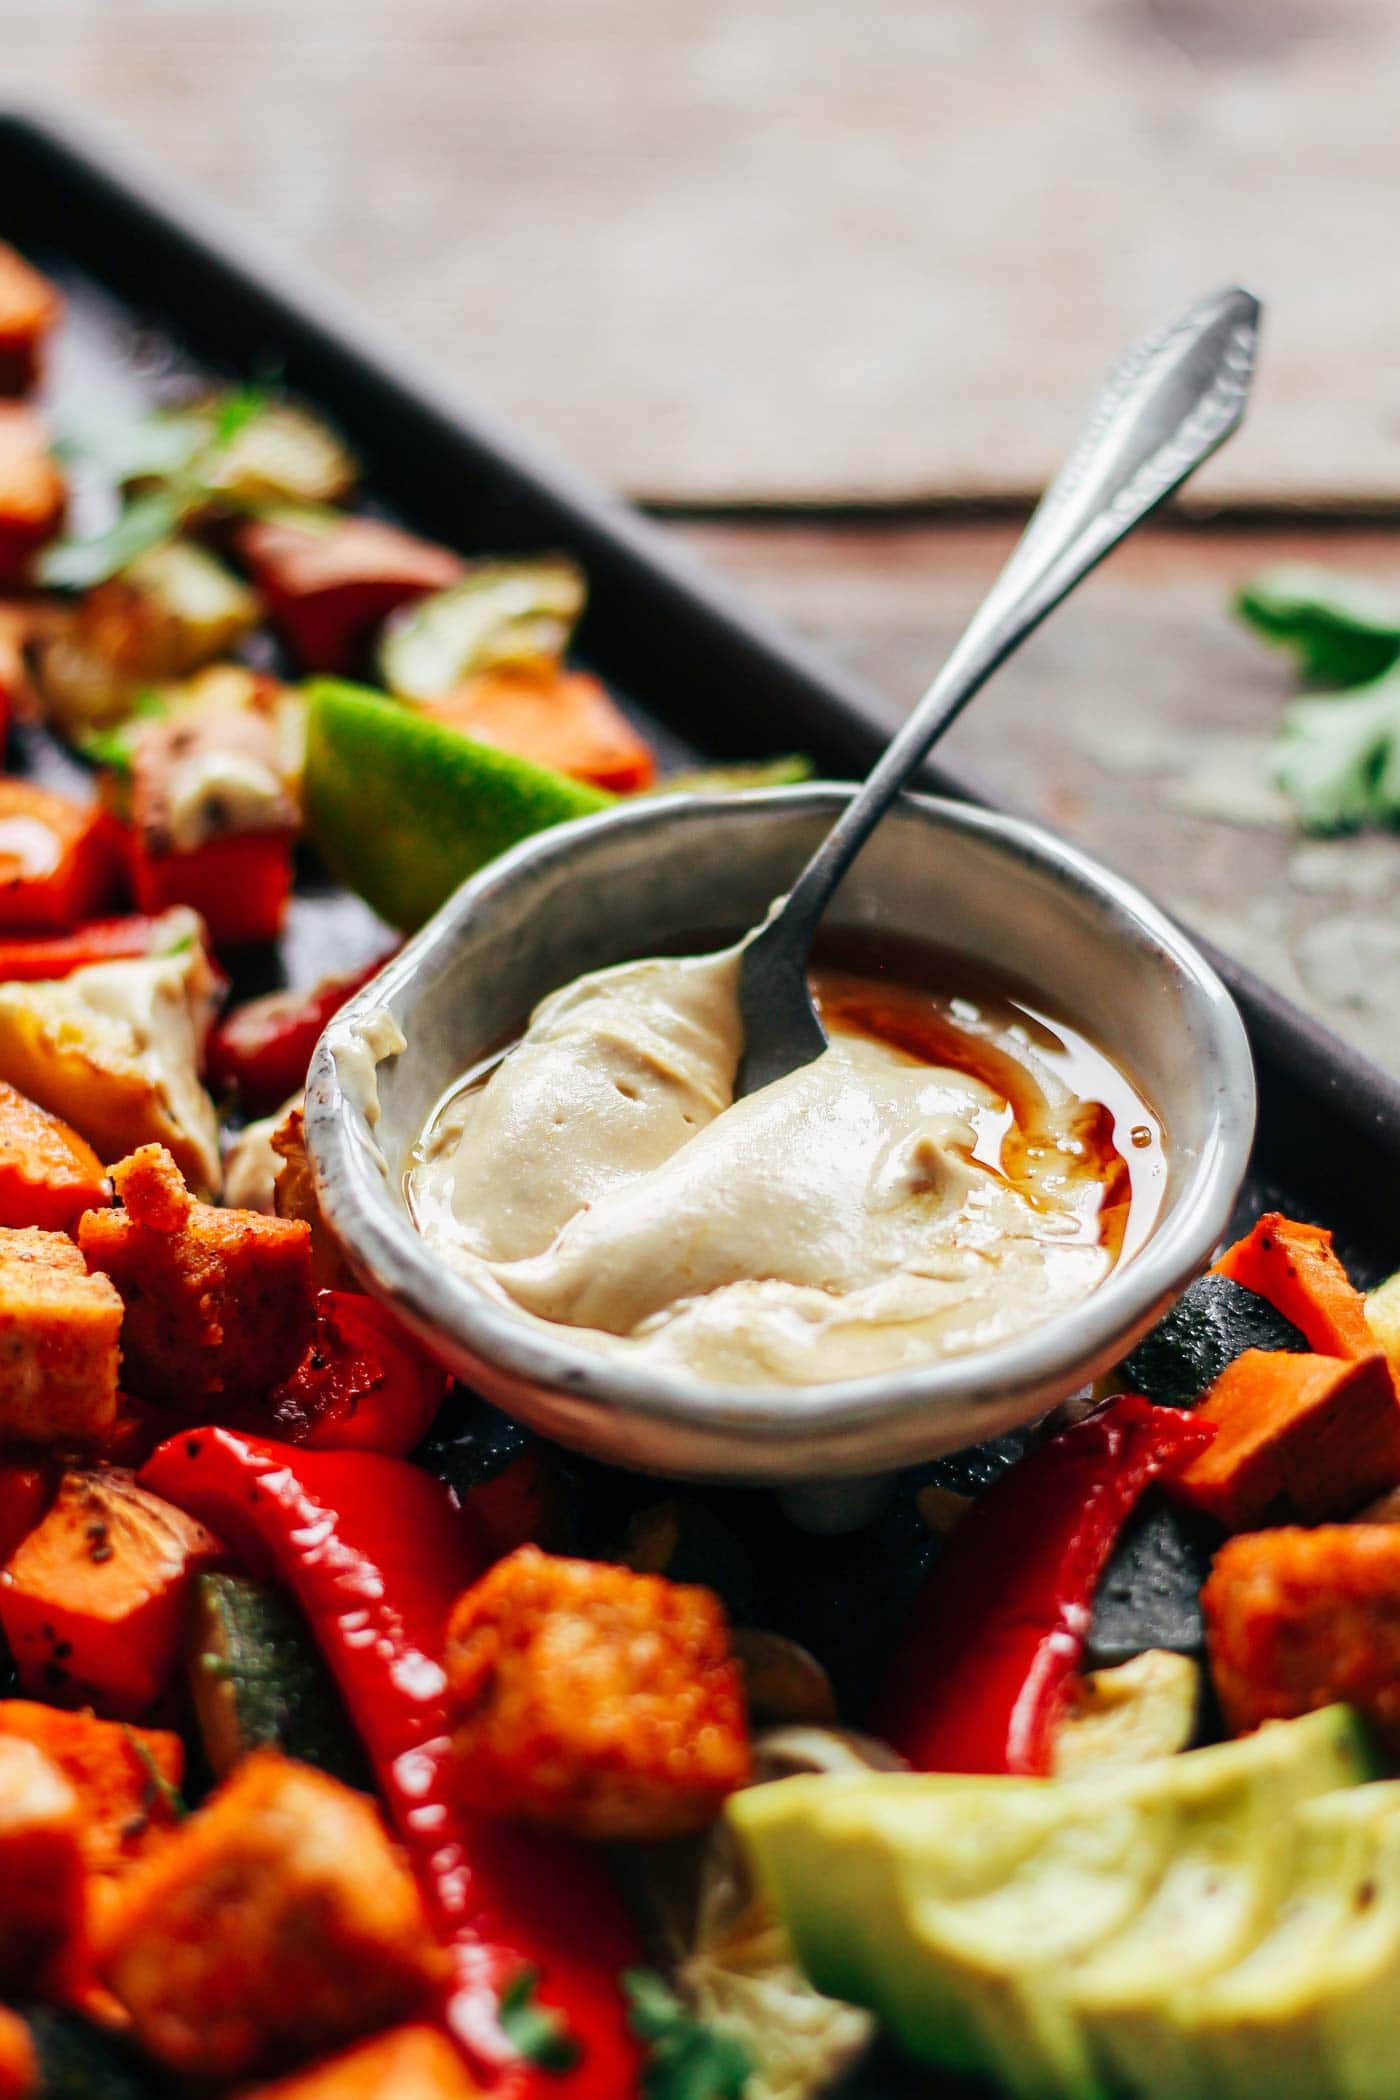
point(657, 874)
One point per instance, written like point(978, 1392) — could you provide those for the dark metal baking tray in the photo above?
point(163, 287)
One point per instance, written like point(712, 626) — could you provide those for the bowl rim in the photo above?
point(386, 1250)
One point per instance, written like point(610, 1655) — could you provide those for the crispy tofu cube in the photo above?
point(409, 2063)
point(594, 1698)
point(41, 1867)
point(217, 1301)
point(277, 1924)
point(32, 491)
point(93, 1600)
point(1298, 1619)
point(29, 308)
point(59, 1331)
point(125, 1778)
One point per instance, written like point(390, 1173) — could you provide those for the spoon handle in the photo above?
point(1164, 408)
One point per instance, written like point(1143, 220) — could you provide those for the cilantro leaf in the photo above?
point(158, 1787)
point(145, 522)
point(1337, 757)
point(537, 2032)
point(237, 408)
point(1342, 631)
point(686, 2058)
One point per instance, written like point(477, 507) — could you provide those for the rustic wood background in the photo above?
point(813, 278)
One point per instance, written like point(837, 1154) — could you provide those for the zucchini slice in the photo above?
point(1212, 1322)
point(258, 1681)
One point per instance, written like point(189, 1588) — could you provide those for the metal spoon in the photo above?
point(1165, 408)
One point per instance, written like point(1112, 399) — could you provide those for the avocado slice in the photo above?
point(1033, 1930)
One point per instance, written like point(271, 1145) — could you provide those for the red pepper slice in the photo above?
point(46, 956)
point(377, 1551)
point(999, 1628)
point(240, 885)
point(364, 1383)
point(262, 1049)
point(26, 1490)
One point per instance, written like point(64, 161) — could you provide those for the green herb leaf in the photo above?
point(1338, 758)
point(158, 1787)
point(1341, 630)
point(538, 2032)
point(141, 448)
point(734, 780)
point(237, 408)
point(686, 2058)
point(145, 522)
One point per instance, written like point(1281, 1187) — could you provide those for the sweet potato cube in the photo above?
point(29, 307)
point(408, 2063)
point(564, 719)
point(59, 1330)
point(594, 1698)
point(1304, 1437)
point(328, 585)
point(1295, 1268)
point(278, 1923)
point(92, 1603)
point(1298, 1619)
point(58, 859)
point(217, 1301)
point(125, 1778)
point(48, 1175)
point(32, 491)
point(41, 1868)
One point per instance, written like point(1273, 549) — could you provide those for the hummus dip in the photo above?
point(937, 1182)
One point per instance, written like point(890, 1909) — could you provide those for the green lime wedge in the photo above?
point(403, 809)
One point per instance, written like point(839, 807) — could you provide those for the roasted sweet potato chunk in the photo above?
point(125, 1778)
point(278, 1923)
point(1297, 1619)
point(92, 1602)
point(1295, 1436)
point(41, 1868)
point(409, 2063)
point(217, 1301)
point(59, 1329)
point(48, 1175)
point(1296, 1268)
point(593, 1698)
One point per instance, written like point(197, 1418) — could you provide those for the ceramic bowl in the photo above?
point(643, 877)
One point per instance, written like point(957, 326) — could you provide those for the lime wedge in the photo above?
point(403, 809)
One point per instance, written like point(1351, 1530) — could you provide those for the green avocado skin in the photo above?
point(1169, 1932)
point(403, 809)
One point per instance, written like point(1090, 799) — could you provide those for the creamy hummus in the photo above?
point(872, 1211)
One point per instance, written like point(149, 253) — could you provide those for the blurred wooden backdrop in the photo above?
point(818, 279)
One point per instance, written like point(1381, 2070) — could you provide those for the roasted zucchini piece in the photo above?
point(502, 612)
point(1147, 1707)
point(1212, 1322)
point(258, 1681)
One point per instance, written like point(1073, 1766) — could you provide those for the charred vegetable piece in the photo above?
point(601, 1701)
point(1305, 1437)
point(278, 1922)
point(93, 1601)
point(364, 1383)
point(981, 1673)
point(58, 860)
point(32, 492)
point(500, 612)
point(1297, 1619)
point(1150, 1592)
point(218, 1302)
point(330, 580)
point(1149, 1707)
point(268, 450)
point(403, 809)
point(156, 612)
point(59, 1336)
point(259, 1682)
point(563, 719)
point(685, 1540)
point(1213, 1321)
point(1295, 1267)
point(518, 1493)
point(29, 308)
point(376, 1552)
point(1341, 630)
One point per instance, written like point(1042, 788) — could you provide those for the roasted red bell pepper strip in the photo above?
point(376, 1552)
point(60, 860)
point(998, 1630)
point(364, 1383)
point(261, 1050)
point(101, 940)
point(240, 885)
point(26, 1490)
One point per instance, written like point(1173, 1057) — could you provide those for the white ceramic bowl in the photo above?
point(638, 878)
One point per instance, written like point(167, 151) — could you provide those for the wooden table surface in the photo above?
point(793, 263)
